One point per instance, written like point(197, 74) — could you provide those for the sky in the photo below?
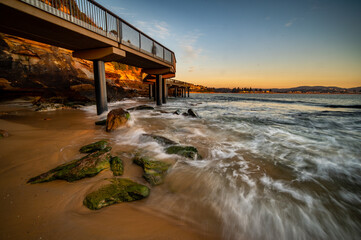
point(254, 43)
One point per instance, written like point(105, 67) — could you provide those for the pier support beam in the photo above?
point(158, 89)
point(188, 91)
point(164, 89)
point(176, 92)
point(100, 86)
point(150, 91)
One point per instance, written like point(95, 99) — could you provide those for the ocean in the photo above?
point(275, 166)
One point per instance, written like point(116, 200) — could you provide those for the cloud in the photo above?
point(188, 44)
point(155, 29)
point(122, 12)
point(290, 22)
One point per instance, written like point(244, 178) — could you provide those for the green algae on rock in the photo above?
point(154, 171)
point(116, 165)
point(93, 147)
point(185, 151)
point(121, 190)
point(87, 166)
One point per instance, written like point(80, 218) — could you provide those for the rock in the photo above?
point(87, 166)
point(116, 118)
point(3, 133)
point(93, 147)
point(185, 151)
point(116, 165)
point(178, 112)
point(193, 113)
point(185, 114)
point(160, 139)
point(121, 190)
point(101, 122)
point(141, 107)
point(154, 171)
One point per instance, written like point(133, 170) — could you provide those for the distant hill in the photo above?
point(300, 89)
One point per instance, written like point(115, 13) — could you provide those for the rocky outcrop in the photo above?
point(87, 166)
point(184, 151)
point(154, 171)
point(120, 190)
point(34, 69)
point(116, 118)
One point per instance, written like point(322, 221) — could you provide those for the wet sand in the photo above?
point(40, 141)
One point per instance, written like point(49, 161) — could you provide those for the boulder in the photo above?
point(93, 147)
point(116, 118)
point(120, 190)
point(185, 151)
point(116, 165)
point(160, 139)
point(87, 166)
point(192, 113)
point(154, 171)
point(3, 133)
point(178, 112)
point(101, 122)
point(141, 107)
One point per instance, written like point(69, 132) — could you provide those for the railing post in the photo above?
point(106, 23)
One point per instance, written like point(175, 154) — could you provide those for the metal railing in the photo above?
point(94, 17)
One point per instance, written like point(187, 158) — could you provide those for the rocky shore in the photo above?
point(99, 158)
point(29, 68)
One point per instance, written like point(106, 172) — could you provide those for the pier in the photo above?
point(94, 33)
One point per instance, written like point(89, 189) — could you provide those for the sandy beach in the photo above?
point(40, 141)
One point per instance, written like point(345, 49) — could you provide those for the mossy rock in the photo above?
point(93, 147)
point(160, 139)
point(87, 166)
point(141, 107)
point(121, 190)
point(116, 165)
point(154, 171)
point(185, 151)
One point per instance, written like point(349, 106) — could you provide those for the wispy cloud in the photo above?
point(122, 12)
point(290, 22)
point(156, 29)
point(190, 50)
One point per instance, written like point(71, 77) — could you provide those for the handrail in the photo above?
point(94, 17)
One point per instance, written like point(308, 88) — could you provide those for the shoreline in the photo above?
point(39, 141)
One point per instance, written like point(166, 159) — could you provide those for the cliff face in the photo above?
point(32, 68)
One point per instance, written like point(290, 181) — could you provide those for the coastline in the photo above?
point(39, 141)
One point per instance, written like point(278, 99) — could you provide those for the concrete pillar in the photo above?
point(150, 91)
point(164, 89)
point(154, 93)
point(158, 89)
point(183, 93)
point(100, 86)
point(175, 92)
point(188, 92)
